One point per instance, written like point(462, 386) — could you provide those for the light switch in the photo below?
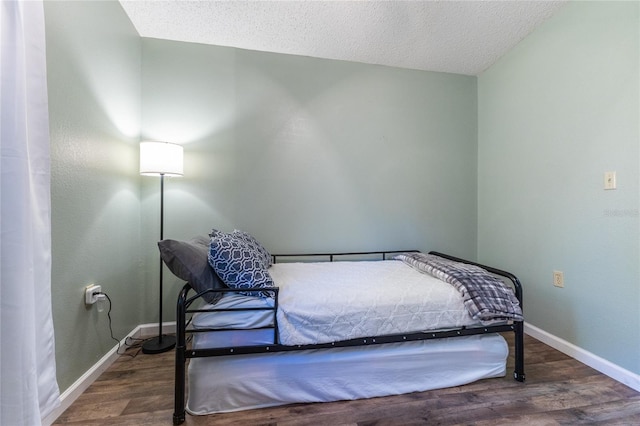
point(609, 180)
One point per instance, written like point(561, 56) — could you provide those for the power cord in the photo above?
point(137, 342)
point(129, 342)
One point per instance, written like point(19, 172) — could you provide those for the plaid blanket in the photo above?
point(486, 297)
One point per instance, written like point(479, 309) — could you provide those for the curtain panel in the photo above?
point(28, 387)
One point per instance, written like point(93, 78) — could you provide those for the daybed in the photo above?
point(330, 326)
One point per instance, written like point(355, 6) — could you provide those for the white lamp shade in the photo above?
point(161, 158)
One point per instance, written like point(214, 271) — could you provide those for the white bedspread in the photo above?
point(330, 301)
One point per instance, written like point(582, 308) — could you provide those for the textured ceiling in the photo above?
point(462, 37)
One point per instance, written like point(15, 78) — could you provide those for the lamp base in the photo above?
point(158, 344)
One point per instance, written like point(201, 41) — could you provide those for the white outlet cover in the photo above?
point(89, 297)
point(610, 180)
point(558, 279)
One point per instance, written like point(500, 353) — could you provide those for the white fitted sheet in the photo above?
point(242, 320)
point(239, 319)
point(233, 383)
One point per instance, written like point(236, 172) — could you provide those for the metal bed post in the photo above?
point(518, 326)
point(181, 347)
point(518, 372)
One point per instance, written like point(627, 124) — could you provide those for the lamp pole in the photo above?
point(160, 159)
point(161, 343)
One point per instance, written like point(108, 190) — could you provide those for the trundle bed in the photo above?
point(331, 326)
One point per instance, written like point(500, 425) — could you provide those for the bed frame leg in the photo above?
point(179, 409)
point(181, 347)
point(178, 420)
point(518, 373)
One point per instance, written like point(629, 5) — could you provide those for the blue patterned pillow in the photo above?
point(261, 252)
point(238, 264)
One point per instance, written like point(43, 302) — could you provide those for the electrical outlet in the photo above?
point(90, 296)
point(558, 279)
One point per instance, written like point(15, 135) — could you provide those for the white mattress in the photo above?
point(232, 383)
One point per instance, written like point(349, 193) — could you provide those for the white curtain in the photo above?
point(28, 387)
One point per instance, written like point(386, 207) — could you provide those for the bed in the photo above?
point(328, 326)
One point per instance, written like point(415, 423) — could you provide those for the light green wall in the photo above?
point(93, 66)
point(554, 114)
point(347, 156)
point(311, 154)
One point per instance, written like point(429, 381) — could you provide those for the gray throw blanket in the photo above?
point(486, 297)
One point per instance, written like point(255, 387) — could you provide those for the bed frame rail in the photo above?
point(183, 353)
point(358, 255)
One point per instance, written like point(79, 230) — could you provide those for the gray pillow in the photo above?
point(188, 261)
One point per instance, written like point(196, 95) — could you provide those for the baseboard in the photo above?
point(150, 330)
point(74, 391)
point(602, 365)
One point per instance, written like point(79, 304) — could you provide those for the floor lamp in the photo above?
point(160, 159)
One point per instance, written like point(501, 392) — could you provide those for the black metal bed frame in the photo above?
point(183, 353)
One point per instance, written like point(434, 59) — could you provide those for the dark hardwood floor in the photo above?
point(558, 391)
